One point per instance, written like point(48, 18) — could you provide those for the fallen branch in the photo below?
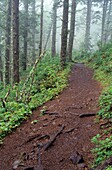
point(30, 76)
point(49, 144)
point(7, 94)
point(87, 115)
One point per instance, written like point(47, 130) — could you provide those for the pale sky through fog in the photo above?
point(48, 2)
point(80, 29)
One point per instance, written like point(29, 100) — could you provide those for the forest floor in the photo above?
point(63, 131)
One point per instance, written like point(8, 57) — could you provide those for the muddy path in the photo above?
point(80, 97)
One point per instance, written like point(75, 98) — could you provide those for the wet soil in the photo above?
point(80, 97)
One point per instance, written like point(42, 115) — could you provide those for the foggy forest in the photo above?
point(56, 84)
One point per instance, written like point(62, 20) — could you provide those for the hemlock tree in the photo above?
point(64, 33)
point(24, 60)
point(105, 4)
point(1, 66)
point(41, 27)
point(88, 24)
point(15, 11)
point(33, 29)
point(108, 29)
point(72, 29)
point(54, 18)
point(8, 43)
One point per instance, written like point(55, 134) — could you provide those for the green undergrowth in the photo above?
point(109, 168)
point(49, 81)
point(101, 62)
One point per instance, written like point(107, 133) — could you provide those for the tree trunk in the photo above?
point(41, 27)
point(33, 31)
point(48, 37)
point(24, 64)
point(72, 30)
point(1, 67)
point(53, 50)
point(64, 33)
point(108, 25)
point(105, 3)
point(88, 24)
point(8, 43)
point(15, 9)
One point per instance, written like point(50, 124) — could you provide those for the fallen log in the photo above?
point(49, 144)
point(87, 115)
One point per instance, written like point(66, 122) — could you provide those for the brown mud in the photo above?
point(62, 113)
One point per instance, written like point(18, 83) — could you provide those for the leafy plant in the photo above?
point(109, 168)
point(101, 62)
point(103, 148)
point(49, 81)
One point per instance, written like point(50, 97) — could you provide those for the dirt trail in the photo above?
point(80, 97)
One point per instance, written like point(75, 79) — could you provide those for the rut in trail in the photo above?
point(80, 97)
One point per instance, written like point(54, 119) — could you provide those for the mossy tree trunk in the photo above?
point(8, 43)
point(15, 8)
point(88, 25)
point(72, 30)
point(64, 33)
point(41, 27)
point(24, 60)
point(105, 4)
point(54, 18)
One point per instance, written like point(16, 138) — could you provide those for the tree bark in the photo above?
point(72, 29)
point(15, 8)
point(24, 64)
point(64, 33)
point(108, 25)
point(105, 3)
point(33, 31)
point(8, 43)
point(88, 24)
point(41, 27)
point(48, 37)
point(1, 67)
point(53, 50)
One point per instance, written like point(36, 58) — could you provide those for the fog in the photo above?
point(95, 30)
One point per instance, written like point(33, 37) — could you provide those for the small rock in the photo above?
point(44, 125)
point(76, 158)
point(88, 126)
point(61, 160)
point(16, 164)
point(54, 123)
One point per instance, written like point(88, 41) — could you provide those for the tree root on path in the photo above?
point(37, 136)
point(46, 147)
point(87, 115)
point(49, 144)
